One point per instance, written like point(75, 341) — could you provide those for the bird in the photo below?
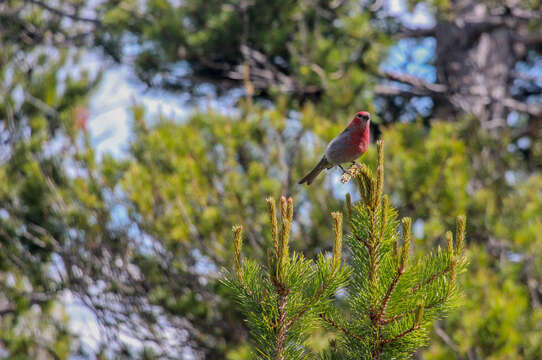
point(345, 147)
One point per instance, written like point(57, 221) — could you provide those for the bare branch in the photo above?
point(406, 32)
point(528, 39)
point(414, 81)
point(388, 90)
point(531, 109)
point(446, 338)
point(39, 104)
point(63, 13)
point(526, 14)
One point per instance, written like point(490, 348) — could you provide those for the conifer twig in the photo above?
point(307, 305)
point(460, 234)
point(380, 173)
point(281, 335)
point(397, 317)
point(398, 336)
point(400, 270)
point(364, 242)
point(340, 328)
point(402, 315)
point(387, 297)
point(415, 326)
point(337, 248)
point(430, 279)
point(337, 216)
point(274, 226)
point(384, 217)
point(238, 243)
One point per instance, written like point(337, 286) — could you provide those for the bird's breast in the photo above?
point(346, 147)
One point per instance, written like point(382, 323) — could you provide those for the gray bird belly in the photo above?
point(339, 151)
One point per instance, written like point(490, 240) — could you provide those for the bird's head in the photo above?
point(361, 120)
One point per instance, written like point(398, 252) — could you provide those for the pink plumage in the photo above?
point(346, 147)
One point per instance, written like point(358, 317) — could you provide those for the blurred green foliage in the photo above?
point(140, 239)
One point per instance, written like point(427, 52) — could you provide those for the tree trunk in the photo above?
point(474, 59)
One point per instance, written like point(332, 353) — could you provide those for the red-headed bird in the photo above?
point(346, 147)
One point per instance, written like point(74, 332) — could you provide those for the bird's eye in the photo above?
point(358, 116)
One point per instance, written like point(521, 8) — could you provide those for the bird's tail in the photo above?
point(309, 178)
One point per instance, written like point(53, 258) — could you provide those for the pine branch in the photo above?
point(397, 317)
point(382, 270)
point(364, 242)
point(404, 333)
point(282, 326)
point(307, 305)
point(296, 290)
point(290, 291)
point(417, 83)
point(340, 328)
point(431, 279)
point(387, 297)
point(337, 249)
point(402, 315)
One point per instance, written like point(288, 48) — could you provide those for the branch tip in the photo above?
point(238, 244)
point(450, 242)
point(380, 171)
point(460, 233)
point(274, 226)
point(337, 248)
point(406, 222)
point(453, 271)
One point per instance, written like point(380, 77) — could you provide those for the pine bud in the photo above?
point(384, 217)
point(450, 242)
point(406, 222)
point(337, 248)
point(453, 267)
point(460, 233)
point(283, 209)
point(274, 226)
point(238, 243)
point(380, 170)
point(374, 193)
point(286, 217)
point(290, 211)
